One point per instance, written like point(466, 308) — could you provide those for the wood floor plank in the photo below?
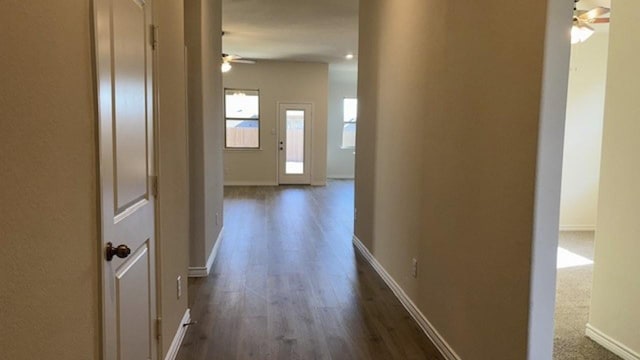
point(288, 284)
point(338, 339)
point(253, 342)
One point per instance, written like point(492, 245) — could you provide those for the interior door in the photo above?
point(294, 143)
point(125, 104)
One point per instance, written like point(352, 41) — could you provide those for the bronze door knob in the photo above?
point(122, 251)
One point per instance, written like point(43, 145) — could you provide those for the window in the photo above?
point(350, 115)
point(242, 119)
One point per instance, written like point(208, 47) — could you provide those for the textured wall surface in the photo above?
point(49, 303)
point(616, 286)
point(203, 23)
point(583, 134)
point(173, 202)
point(343, 83)
point(49, 300)
point(279, 81)
point(448, 166)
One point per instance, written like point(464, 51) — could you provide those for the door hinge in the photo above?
point(153, 179)
point(154, 37)
point(158, 328)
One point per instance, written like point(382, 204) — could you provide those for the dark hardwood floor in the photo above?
point(288, 284)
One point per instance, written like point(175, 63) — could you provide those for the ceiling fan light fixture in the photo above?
point(575, 34)
point(225, 67)
point(580, 33)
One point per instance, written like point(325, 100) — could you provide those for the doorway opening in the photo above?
point(588, 312)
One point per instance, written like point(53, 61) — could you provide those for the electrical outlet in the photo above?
point(217, 219)
point(355, 214)
point(414, 268)
point(179, 286)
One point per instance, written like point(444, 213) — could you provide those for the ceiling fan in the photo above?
point(582, 21)
point(227, 60)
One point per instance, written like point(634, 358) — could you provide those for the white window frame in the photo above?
point(345, 122)
point(226, 147)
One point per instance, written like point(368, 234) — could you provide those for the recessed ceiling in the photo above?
point(590, 4)
point(304, 30)
point(295, 30)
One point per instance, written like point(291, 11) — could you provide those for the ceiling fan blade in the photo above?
point(601, 21)
point(236, 59)
point(242, 61)
point(593, 13)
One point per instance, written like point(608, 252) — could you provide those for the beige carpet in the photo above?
point(572, 303)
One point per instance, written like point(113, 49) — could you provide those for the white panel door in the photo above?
point(294, 143)
point(125, 103)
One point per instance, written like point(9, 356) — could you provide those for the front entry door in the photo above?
point(125, 104)
point(294, 144)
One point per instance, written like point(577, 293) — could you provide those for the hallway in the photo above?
point(287, 284)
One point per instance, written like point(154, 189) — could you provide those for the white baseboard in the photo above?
point(577, 228)
point(266, 183)
point(611, 344)
point(177, 339)
point(425, 325)
point(341, 177)
point(203, 271)
point(250, 183)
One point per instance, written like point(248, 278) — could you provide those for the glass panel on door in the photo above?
point(295, 142)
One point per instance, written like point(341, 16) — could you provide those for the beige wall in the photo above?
point(343, 83)
point(278, 82)
point(50, 305)
point(449, 169)
point(173, 202)
point(583, 133)
point(203, 24)
point(616, 288)
point(49, 299)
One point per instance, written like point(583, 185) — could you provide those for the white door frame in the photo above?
point(283, 106)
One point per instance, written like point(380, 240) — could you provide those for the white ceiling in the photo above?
point(297, 30)
point(304, 30)
point(590, 4)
